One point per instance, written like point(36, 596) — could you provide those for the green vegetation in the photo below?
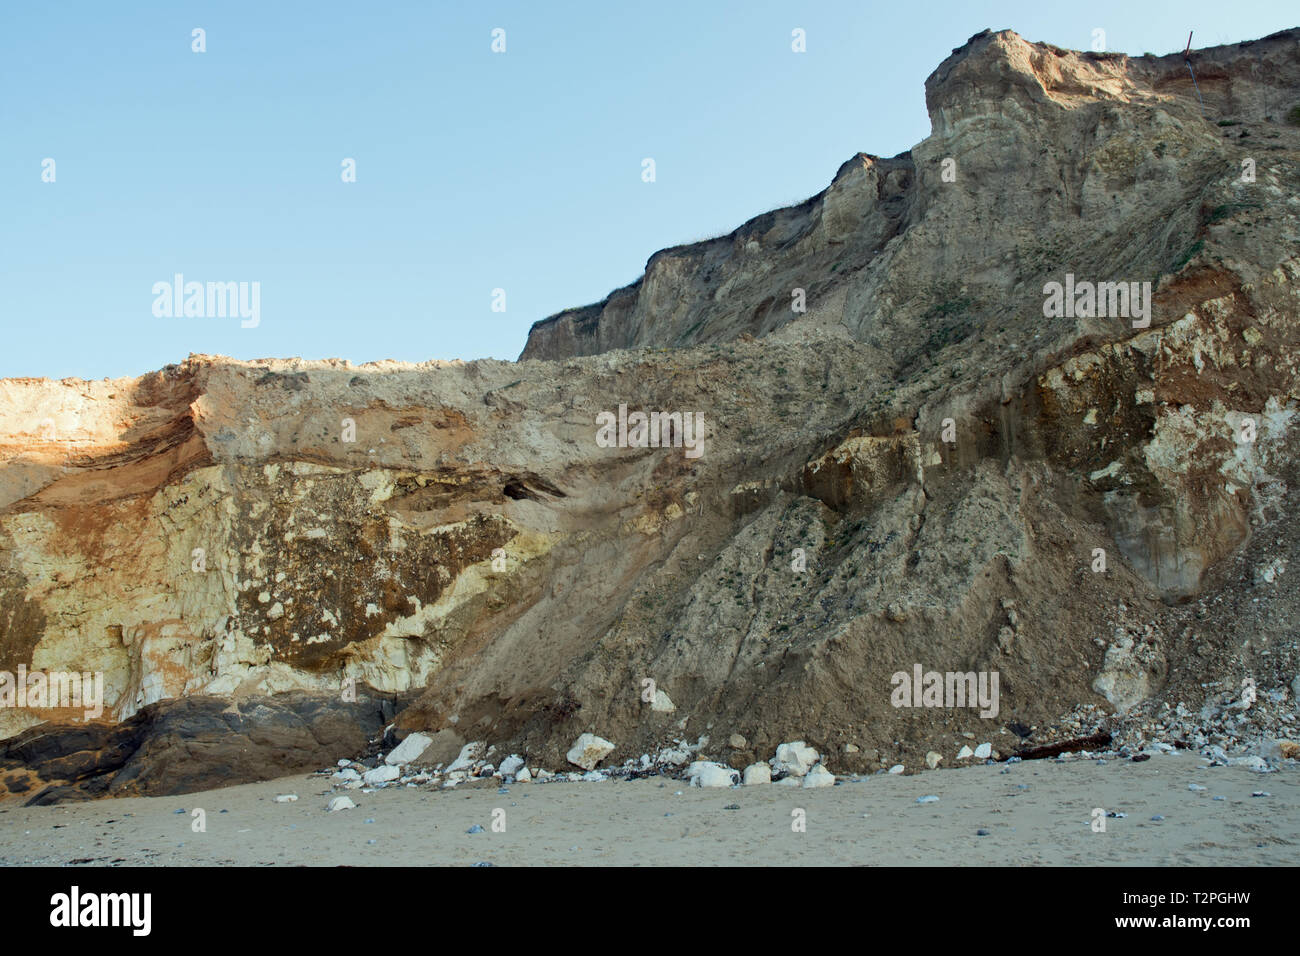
point(1227, 209)
point(1187, 256)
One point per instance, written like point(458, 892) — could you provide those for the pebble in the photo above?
point(1220, 798)
point(286, 798)
point(896, 768)
point(475, 829)
point(984, 751)
point(340, 803)
point(1158, 817)
point(732, 806)
point(929, 798)
point(981, 832)
point(965, 752)
point(1261, 793)
point(1196, 786)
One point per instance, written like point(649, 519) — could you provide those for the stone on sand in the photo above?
point(408, 750)
point(706, 773)
point(818, 776)
point(589, 750)
point(795, 758)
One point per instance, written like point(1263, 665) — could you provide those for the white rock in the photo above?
point(736, 742)
point(381, 775)
point(984, 751)
point(757, 773)
point(965, 752)
point(706, 773)
point(673, 756)
point(790, 782)
point(1268, 573)
point(896, 768)
point(523, 776)
point(543, 775)
point(589, 750)
point(593, 776)
point(511, 766)
point(286, 798)
point(468, 755)
point(408, 750)
point(932, 759)
point(663, 704)
point(344, 762)
point(341, 803)
point(346, 775)
point(818, 776)
point(795, 758)
point(1253, 762)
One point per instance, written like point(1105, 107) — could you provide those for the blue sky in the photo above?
point(475, 170)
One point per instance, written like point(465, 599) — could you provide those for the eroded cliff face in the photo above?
point(920, 468)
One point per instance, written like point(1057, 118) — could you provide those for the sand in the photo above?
point(1038, 812)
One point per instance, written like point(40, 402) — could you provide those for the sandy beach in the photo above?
point(1036, 812)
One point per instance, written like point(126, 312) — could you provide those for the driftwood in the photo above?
point(1099, 739)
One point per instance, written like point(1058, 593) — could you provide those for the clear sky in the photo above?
point(475, 170)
